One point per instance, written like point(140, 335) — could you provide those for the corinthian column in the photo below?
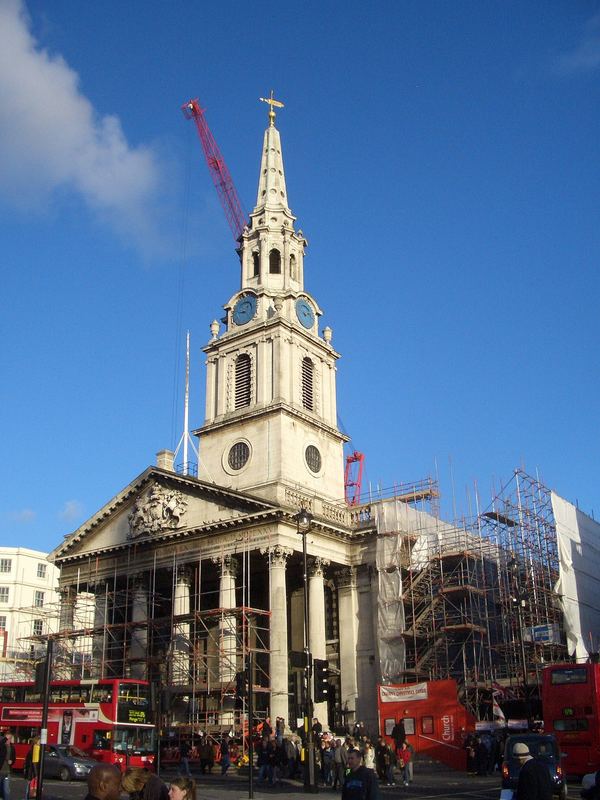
point(227, 630)
point(278, 557)
point(345, 579)
point(316, 633)
point(181, 629)
point(138, 648)
point(99, 637)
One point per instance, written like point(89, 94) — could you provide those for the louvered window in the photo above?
point(293, 267)
point(256, 264)
point(307, 384)
point(275, 262)
point(242, 381)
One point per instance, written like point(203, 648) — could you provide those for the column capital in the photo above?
point(68, 594)
point(227, 564)
point(345, 577)
point(183, 574)
point(277, 554)
point(140, 582)
point(317, 566)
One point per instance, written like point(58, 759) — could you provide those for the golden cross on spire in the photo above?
point(273, 104)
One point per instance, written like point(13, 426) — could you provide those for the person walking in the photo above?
point(340, 760)
point(404, 762)
point(361, 783)
point(184, 758)
point(534, 779)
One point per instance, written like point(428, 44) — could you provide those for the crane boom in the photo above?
point(218, 169)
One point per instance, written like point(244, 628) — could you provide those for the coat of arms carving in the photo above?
point(157, 510)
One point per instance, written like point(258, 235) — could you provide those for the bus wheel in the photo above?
point(64, 774)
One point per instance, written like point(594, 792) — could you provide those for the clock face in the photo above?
point(244, 309)
point(305, 313)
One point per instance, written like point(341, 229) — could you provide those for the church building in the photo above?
point(190, 574)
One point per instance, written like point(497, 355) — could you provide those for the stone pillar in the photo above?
point(138, 642)
point(99, 637)
point(348, 616)
point(278, 645)
point(316, 611)
point(63, 654)
point(227, 634)
point(180, 669)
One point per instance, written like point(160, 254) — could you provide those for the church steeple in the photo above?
point(271, 421)
point(272, 252)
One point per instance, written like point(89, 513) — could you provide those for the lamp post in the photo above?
point(303, 524)
point(518, 597)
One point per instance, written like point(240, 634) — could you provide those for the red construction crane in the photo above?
point(353, 477)
point(218, 169)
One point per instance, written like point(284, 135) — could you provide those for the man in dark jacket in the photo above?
point(534, 779)
point(360, 783)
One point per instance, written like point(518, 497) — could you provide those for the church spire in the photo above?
point(272, 194)
point(272, 252)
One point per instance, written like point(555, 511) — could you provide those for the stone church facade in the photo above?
point(189, 574)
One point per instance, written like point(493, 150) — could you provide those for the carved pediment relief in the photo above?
point(159, 509)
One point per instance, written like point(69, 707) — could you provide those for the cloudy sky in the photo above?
point(441, 158)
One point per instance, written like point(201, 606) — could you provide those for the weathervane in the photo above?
point(273, 104)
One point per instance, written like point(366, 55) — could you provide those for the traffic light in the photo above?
point(320, 674)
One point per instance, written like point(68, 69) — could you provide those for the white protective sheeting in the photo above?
point(578, 584)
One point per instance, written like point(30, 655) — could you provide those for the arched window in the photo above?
point(275, 262)
point(243, 385)
point(293, 267)
point(255, 264)
point(308, 370)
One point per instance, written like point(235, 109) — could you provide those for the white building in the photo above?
point(29, 608)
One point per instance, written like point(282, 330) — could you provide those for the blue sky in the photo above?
point(442, 159)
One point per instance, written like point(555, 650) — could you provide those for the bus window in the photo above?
point(8, 694)
point(571, 724)
point(101, 740)
point(31, 695)
point(101, 694)
point(137, 740)
point(568, 675)
point(83, 694)
point(24, 735)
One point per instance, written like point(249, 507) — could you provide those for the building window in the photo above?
point(242, 381)
point(5, 564)
point(238, 455)
point(41, 570)
point(293, 267)
point(2, 623)
point(308, 370)
point(38, 626)
point(275, 262)
point(255, 265)
point(38, 599)
point(3, 594)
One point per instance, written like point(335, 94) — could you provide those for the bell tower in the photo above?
point(271, 422)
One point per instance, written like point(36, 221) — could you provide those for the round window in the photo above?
point(313, 458)
point(238, 455)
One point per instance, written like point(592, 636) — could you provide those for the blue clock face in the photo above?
point(305, 313)
point(244, 309)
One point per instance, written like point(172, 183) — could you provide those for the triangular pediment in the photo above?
point(159, 505)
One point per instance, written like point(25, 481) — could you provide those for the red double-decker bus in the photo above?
point(571, 705)
point(111, 720)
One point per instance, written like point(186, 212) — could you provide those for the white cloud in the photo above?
point(585, 57)
point(23, 517)
point(52, 138)
point(72, 510)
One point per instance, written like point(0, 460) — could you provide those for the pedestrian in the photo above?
point(279, 729)
point(398, 733)
point(410, 762)
point(182, 788)
point(326, 763)
point(225, 762)
point(31, 767)
point(140, 784)
point(184, 758)
point(369, 755)
point(104, 782)
point(534, 779)
point(404, 758)
point(207, 755)
point(360, 783)
point(592, 792)
point(340, 761)
point(7, 758)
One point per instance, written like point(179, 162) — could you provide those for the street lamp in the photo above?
point(303, 524)
point(518, 597)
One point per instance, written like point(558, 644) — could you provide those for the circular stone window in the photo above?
point(238, 455)
point(313, 458)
